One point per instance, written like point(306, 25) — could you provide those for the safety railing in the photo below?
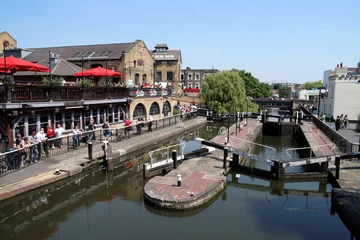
point(330, 147)
point(341, 141)
point(164, 153)
point(12, 161)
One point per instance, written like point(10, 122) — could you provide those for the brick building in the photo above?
point(167, 66)
point(7, 41)
point(191, 78)
point(134, 59)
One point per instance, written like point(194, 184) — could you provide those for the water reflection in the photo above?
point(110, 206)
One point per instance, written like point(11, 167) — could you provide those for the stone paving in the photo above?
point(202, 177)
point(73, 162)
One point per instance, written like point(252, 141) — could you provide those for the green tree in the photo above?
point(277, 86)
point(224, 92)
point(311, 85)
point(253, 87)
point(284, 92)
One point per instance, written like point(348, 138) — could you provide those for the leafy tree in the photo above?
point(85, 84)
point(224, 92)
point(284, 92)
point(277, 86)
point(311, 85)
point(253, 87)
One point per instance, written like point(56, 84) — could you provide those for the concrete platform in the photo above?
point(202, 178)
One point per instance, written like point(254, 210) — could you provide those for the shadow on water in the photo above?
point(110, 206)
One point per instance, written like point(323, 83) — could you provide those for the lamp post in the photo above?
point(82, 67)
point(320, 88)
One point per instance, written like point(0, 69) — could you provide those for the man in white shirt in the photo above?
point(41, 138)
point(58, 133)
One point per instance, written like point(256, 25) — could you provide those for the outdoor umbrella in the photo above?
point(98, 72)
point(12, 64)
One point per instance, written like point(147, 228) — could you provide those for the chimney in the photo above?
point(341, 65)
point(337, 65)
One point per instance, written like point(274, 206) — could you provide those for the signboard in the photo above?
point(73, 103)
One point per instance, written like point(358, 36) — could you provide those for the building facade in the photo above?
point(343, 87)
point(7, 41)
point(133, 60)
point(167, 66)
point(191, 78)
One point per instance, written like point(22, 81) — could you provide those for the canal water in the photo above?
point(98, 205)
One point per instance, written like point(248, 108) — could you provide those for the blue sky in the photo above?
point(275, 40)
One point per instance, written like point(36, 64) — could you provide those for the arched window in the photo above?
point(6, 44)
point(166, 108)
point(154, 109)
point(144, 78)
point(139, 111)
point(137, 76)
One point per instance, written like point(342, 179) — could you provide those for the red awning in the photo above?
point(12, 64)
point(98, 72)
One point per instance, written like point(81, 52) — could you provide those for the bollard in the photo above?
point(179, 180)
point(144, 171)
point(226, 152)
point(90, 148)
point(174, 158)
point(337, 164)
point(235, 161)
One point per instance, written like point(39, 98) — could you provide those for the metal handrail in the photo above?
point(159, 149)
point(301, 148)
point(261, 145)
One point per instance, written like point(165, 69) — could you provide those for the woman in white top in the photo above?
point(76, 136)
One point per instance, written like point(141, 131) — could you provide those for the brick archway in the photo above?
point(148, 102)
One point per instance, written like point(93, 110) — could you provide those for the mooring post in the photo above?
point(174, 158)
point(144, 171)
point(179, 180)
point(226, 153)
point(90, 148)
point(277, 169)
point(337, 164)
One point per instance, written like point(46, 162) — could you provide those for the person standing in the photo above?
point(127, 127)
point(76, 136)
point(332, 122)
point(51, 134)
point(34, 153)
point(107, 129)
point(91, 128)
point(58, 134)
point(337, 123)
point(150, 123)
point(41, 138)
point(346, 120)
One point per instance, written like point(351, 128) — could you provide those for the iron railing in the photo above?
point(341, 141)
point(16, 159)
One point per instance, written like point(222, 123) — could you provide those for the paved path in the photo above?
point(317, 138)
point(202, 177)
point(73, 162)
point(350, 132)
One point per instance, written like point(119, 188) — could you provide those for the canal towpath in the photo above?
point(72, 163)
point(202, 178)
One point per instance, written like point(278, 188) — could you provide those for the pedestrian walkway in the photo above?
point(321, 145)
point(73, 162)
point(350, 132)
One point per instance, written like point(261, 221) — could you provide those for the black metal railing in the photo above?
point(16, 159)
point(341, 141)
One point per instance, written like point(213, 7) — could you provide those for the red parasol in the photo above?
point(12, 64)
point(98, 72)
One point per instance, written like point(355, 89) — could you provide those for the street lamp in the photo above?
point(4, 46)
point(320, 88)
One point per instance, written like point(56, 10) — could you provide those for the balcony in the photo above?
point(41, 93)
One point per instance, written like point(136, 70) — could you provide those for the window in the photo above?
point(169, 63)
point(197, 85)
point(144, 78)
point(158, 63)
point(110, 114)
point(189, 76)
point(189, 85)
point(197, 76)
point(158, 76)
point(137, 76)
point(182, 77)
point(154, 109)
point(6, 44)
point(170, 76)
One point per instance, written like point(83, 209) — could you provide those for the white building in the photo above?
point(343, 96)
point(308, 94)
